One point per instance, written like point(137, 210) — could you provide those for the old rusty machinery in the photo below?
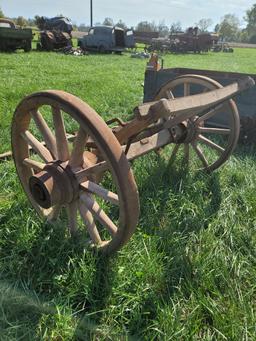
point(89, 177)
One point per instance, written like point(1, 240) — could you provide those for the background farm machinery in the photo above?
point(13, 37)
point(55, 33)
point(180, 42)
point(54, 40)
point(192, 41)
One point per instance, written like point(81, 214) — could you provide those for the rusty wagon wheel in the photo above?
point(59, 175)
point(211, 145)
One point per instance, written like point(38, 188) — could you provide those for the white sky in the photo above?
point(188, 12)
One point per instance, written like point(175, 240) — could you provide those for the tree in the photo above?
point(108, 22)
point(217, 28)
point(75, 28)
point(21, 21)
point(121, 24)
point(162, 29)
point(176, 27)
point(229, 27)
point(244, 36)
point(83, 28)
point(39, 22)
point(146, 26)
point(252, 39)
point(1, 13)
point(31, 22)
point(203, 24)
point(250, 18)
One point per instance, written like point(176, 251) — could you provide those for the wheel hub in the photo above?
point(192, 129)
point(55, 185)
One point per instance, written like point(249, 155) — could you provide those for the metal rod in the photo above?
point(91, 12)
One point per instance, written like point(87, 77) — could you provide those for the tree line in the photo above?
point(229, 28)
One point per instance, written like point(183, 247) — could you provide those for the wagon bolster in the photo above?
point(184, 107)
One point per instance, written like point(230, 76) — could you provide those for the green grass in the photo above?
point(188, 272)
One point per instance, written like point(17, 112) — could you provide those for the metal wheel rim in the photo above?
point(106, 142)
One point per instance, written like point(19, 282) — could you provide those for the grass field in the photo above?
point(188, 272)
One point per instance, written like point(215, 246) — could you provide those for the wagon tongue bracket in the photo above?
point(56, 184)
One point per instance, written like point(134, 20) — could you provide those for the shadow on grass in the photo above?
point(197, 189)
point(88, 325)
point(159, 185)
point(171, 186)
point(20, 312)
point(40, 258)
point(47, 255)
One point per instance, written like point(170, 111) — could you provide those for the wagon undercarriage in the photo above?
point(90, 177)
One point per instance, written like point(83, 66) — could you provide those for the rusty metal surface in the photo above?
point(54, 40)
point(182, 42)
point(192, 41)
point(145, 37)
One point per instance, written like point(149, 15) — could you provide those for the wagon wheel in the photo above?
point(211, 145)
point(60, 176)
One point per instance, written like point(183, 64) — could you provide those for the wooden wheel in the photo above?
point(211, 145)
point(90, 178)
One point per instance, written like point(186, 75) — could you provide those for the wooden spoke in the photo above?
point(169, 94)
point(76, 157)
point(90, 223)
point(200, 154)
point(211, 144)
point(100, 191)
point(186, 152)
point(186, 89)
point(220, 131)
point(60, 132)
point(54, 213)
point(46, 132)
point(174, 152)
point(38, 166)
point(98, 213)
point(92, 170)
point(79, 158)
point(72, 217)
point(209, 114)
point(37, 146)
